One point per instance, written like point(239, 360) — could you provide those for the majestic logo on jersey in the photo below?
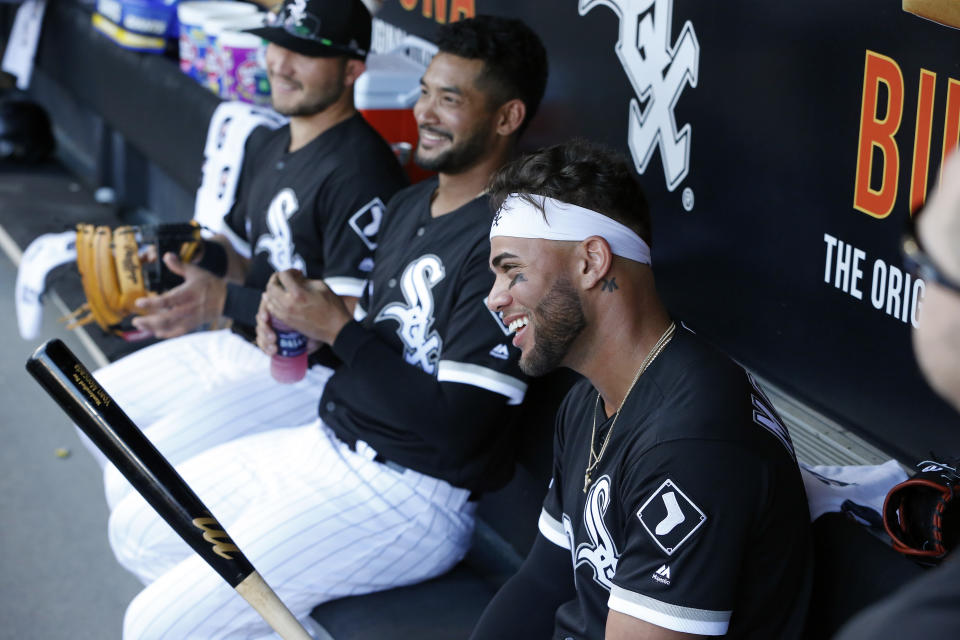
point(366, 222)
point(766, 417)
point(670, 517)
point(279, 242)
point(662, 575)
point(658, 73)
point(422, 344)
point(500, 351)
point(600, 552)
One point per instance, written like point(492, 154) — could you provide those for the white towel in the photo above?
point(229, 128)
point(837, 488)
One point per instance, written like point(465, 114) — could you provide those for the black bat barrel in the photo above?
point(72, 386)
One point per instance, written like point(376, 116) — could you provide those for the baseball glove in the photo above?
point(113, 275)
point(922, 513)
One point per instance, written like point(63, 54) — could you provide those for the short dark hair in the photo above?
point(514, 60)
point(578, 172)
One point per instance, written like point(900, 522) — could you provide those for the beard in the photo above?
point(558, 320)
point(318, 101)
point(459, 157)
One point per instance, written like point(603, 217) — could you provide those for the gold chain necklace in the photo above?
point(594, 458)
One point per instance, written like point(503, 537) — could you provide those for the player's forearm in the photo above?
point(526, 605)
point(237, 265)
point(454, 417)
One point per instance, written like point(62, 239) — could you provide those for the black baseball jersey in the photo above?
point(430, 378)
point(696, 519)
point(317, 209)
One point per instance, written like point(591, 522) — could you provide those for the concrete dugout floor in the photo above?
point(58, 577)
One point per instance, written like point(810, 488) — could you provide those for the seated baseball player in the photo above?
point(416, 422)
point(310, 197)
point(676, 497)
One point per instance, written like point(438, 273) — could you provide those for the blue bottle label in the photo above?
point(290, 343)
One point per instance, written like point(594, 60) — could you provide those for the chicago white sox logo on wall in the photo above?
point(658, 73)
point(422, 344)
point(601, 552)
point(279, 244)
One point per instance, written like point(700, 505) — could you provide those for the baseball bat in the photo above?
point(73, 387)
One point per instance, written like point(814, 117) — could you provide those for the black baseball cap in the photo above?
point(321, 28)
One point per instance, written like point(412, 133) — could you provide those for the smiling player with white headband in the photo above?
point(675, 488)
point(533, 216)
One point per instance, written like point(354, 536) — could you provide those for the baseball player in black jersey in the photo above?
point(675, 494)
point(310, 197)
point(379, 491)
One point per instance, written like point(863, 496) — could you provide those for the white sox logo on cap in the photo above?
point(296, 10)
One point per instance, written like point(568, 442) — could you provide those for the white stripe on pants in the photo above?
point(191, 393)
point(316, 519)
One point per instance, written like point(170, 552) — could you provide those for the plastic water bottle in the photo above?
point(289, 363)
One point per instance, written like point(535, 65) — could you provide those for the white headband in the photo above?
point(519, 218)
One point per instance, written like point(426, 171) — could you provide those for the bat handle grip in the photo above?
point(261, 597)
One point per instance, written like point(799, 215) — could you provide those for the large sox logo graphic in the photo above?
point(422, 344)
point(658, 74)
point(601, 552)
point(279, 244)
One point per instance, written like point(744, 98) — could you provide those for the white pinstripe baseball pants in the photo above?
point(194, 392)
point(316, 519)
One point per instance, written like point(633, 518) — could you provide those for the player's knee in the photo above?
point(124, 547)
point(129, 533)
point(115, 486)
point(148, 618)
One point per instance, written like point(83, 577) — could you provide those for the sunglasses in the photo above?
point(918, 262)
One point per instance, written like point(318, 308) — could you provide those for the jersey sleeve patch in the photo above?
point(670, 517)
point(552, 530)
point(474, 374)
point(669, 616)
point(366, 222)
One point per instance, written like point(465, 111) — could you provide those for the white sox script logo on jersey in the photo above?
point(422, 344)
point(601, 552)
point(279, 244)
point(658, 73)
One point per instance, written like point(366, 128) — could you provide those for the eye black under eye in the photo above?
point(518, 278)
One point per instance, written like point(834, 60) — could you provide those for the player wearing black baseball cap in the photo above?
point(321, 29)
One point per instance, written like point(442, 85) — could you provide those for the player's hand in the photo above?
point(197, 300)
point(267, 337)
point(309, 306)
